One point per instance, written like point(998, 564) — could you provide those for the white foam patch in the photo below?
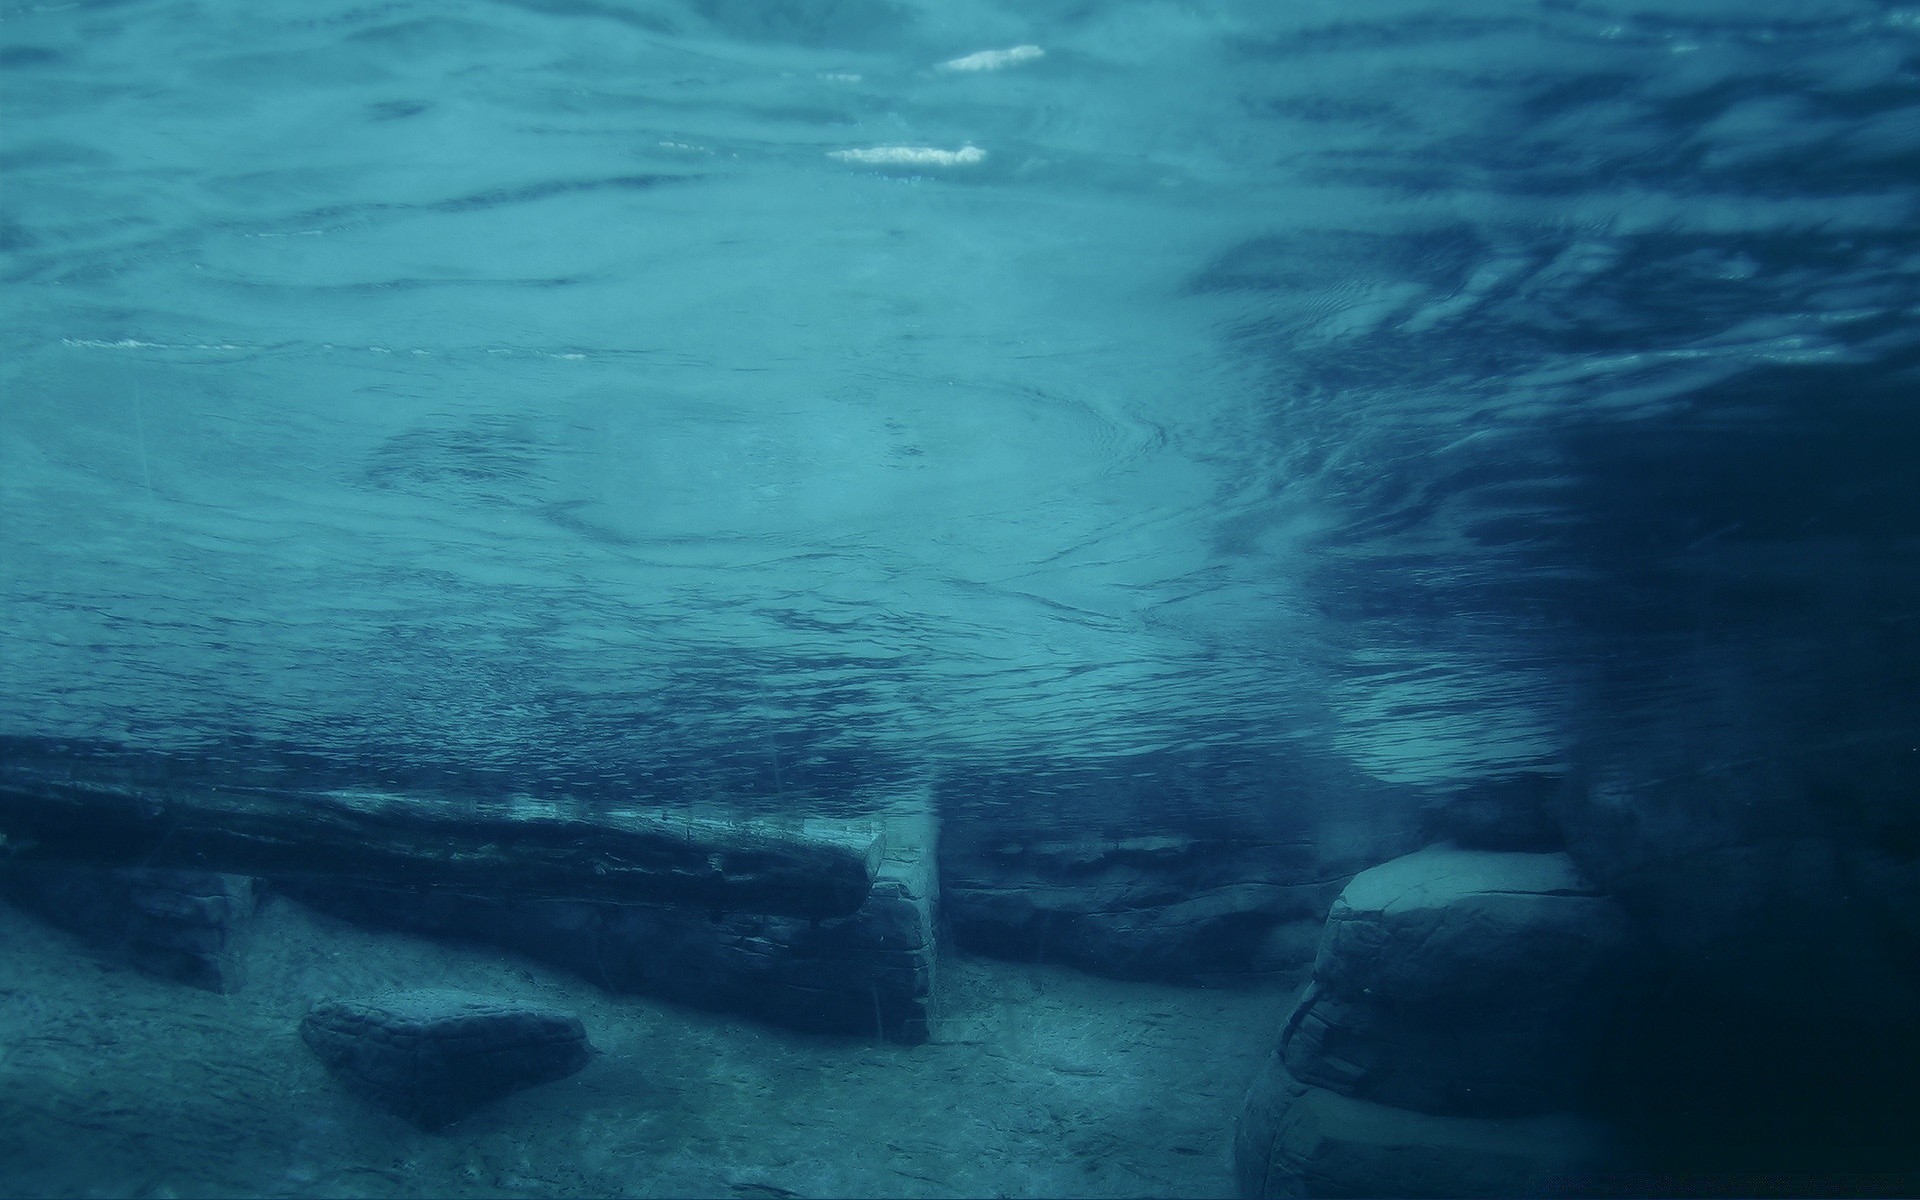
point(912, 156)
point(993, 60)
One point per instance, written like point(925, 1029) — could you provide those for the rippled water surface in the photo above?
point(769, 401)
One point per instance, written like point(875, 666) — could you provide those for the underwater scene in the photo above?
point(951, 598)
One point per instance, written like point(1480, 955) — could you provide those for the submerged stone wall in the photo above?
point(1229, 904)
point(870, 974)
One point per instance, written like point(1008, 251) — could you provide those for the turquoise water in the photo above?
point(773, 401)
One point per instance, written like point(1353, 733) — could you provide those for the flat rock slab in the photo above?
point(552, 847)
point(1480, 927)
point(1178, 906)
point(867, 974)
point(434, 1056)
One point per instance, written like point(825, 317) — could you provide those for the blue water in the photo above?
point(1239, 396)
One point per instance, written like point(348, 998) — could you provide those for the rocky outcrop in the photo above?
point(1296, 1140)
point(1462, 982)
point(534, 846)
point(1180, 907)
point(184, 925)
point(1175, 906)
point(435, 1056)
point(869, 974)
point(1448, 1036)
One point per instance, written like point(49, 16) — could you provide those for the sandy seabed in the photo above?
point(1040, 1081)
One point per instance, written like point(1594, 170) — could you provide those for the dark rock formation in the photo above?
point(1463, 983)
point(1179, 907)
point(435, 1056)
point(1448, 1036)
point(868, 974)
point(1296, 1140)
point(184, 925)
point(538, 846)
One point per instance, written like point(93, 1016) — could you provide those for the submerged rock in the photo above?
point(870, 973)
point(1446, 1041)
point(1463, 982)
point(434, 1056)
point(183, 925)
point(1175, 907)
point(1297, 1140)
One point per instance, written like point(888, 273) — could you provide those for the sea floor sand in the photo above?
point(1041, 1081)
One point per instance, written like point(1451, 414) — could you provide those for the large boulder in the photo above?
point(1296, 1140)
point(434, 1056)
point(1446, 1041)
point(1463, 982)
